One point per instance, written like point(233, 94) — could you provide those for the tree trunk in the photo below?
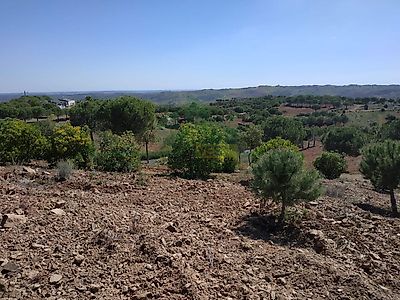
point(249, 158)
point(393, 203)
point(282, 215)
point(91, 135)
point(147, 152)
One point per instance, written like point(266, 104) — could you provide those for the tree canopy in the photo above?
point(284, 127)
point(27, 107)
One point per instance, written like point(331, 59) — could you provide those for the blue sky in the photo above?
point(72, 45)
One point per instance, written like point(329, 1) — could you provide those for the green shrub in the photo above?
point(20, 142)
point(46, 127)
point(280, 175)
point(69, 142)
point(64, 169)
point(276, 143)
point(230, 161)
point(198, 150)
point(391, 130)
point(347, 140)
point(330, 164)
point(118, 153)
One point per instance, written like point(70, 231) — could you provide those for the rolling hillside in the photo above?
point(355, 91)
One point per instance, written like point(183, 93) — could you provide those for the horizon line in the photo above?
point(193, 90)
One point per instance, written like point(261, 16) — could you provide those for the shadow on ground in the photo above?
point(266, 228)
point(374, 209)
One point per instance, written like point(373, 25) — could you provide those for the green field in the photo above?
point(366, 118)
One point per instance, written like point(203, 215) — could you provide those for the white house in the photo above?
point(64, 103)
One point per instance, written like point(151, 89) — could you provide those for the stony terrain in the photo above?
point(151, 236)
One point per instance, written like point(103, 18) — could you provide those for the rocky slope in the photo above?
point(113, 236)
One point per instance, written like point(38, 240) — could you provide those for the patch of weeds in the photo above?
point(141, 179)
point(335, 190)
point(64, 169)
point(135, 223)
point(106, 238)
point(295, 215)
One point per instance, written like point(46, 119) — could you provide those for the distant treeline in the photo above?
point(28, 107)
point(209, 95)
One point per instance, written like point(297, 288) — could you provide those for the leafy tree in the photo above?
point(27, 107)
point(381, 165)
point(330, 164)
point(128, 114)
point(198, 150)
point(347, 140)
point(276, 143)
point(194, 111)
point(58, 112)
point(118, 153)
point(20, 142)
point(284, 127)
point(46, 127)
point(86, 113)
point(147, 137)
point(71, 142)
point(281, 176)
point(230, 161)
point(37, 112)
point(251, 138)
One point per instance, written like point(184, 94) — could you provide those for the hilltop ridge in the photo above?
point(207, 95)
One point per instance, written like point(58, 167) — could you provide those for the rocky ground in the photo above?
point(151, 236)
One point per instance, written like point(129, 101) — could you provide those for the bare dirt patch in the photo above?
point(171, 238)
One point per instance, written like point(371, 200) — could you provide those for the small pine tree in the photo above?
point(381, 165)
point(280, 174)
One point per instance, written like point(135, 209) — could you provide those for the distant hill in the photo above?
point(207, 95)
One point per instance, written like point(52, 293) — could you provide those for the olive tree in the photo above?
point(381, 165)
point(281, 176)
